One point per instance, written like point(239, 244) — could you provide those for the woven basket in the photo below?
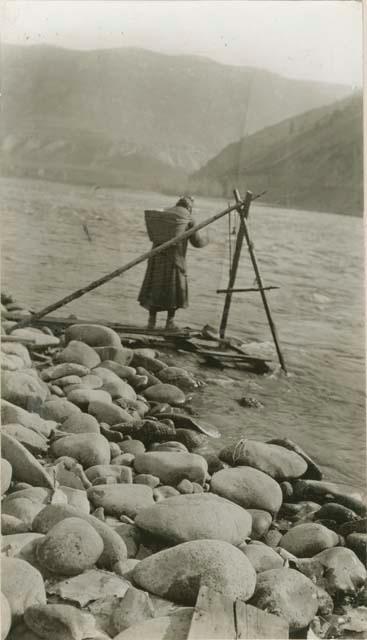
point(165, 224)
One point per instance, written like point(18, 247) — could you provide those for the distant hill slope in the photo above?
point(313, 161)
point(112, 115)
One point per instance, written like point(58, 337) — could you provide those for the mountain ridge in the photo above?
point(312, 161)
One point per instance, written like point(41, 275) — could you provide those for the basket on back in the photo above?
point(164, 224)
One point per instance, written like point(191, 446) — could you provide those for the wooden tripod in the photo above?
point(243, 211)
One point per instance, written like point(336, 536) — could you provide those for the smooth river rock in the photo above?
point(121, 499)
point(62, 370)
point(59, 410)
point(24, 465)
point(172, 467)
point(95, 335)
point(22, 585)
point(337, 570)
point(5, 616)
point(306, 540)
point(70, 547)
point(261, 522)
point(24, 389)
point(80, 353)
point(262, 557)
point(165, 393)
point(196, 516)
point(248, 487)
point(6, 474)
point(176, 573)
point(288, 594)
point(34, 442)
point(81, 423)
point(109, 413)
point(276, 461)
point(83, 397)
point(87, 448)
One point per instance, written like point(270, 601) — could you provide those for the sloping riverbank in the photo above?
point(116, 504)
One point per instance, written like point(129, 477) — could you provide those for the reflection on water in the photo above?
point(57, 238)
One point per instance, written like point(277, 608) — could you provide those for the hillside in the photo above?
point(313, 161)
point(130, 116)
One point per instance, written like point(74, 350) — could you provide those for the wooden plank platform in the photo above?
point(218, 617)
point(61, 323)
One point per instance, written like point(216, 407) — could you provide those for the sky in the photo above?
point(306, 39)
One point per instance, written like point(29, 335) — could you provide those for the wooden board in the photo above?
point(257, 624)
point(213, 618)
point(56, 322)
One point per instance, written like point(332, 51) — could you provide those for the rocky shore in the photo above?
point(116, 507)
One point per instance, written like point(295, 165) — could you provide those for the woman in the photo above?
point(165, 283)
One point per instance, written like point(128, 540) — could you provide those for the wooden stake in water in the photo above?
point(118, 272)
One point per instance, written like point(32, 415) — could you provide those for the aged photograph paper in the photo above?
point(183, 425)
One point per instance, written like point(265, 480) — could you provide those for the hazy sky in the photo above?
point(313, 39)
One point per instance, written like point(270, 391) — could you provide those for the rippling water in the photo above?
point(316, 259)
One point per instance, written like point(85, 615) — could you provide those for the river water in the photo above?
point(56, 238)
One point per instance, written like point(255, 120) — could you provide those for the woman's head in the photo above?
point(186, 201)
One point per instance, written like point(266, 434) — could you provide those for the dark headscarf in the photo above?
point(187, 202)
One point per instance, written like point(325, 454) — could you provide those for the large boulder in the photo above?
point(179, 377)
point(24, 465)
point(358, 543)
point(308, 539)
point(59, 410)
point(80, 353)
point(59, 622)
point(21, 508)
point(248, 487)
point(109, 413)
point(83, 397)
point(262, 557)
point(123, 371)
point(116, 387)
point(19, 350)
point(261, 522)
point(34, 442)
point(121, 499)
point(95, 335)
point(114, 550)
point(6, 474)
point(5, 616)
point(276, 461)
point(337, 570)
point(81, 423)
point(70, 547)
point(165, 393)
point(196, 516)
point(22, 585)
point(87, 448)
point(176, 573)
point(172, 467)
point(288, 594)
point(62, 370)
point(11, 414)
point(24, 389)
point(120, 354)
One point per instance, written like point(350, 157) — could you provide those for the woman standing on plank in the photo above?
point(165, 283)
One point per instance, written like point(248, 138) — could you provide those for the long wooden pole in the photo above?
point(145, 256)
point(236, 259)
point(263, 295)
